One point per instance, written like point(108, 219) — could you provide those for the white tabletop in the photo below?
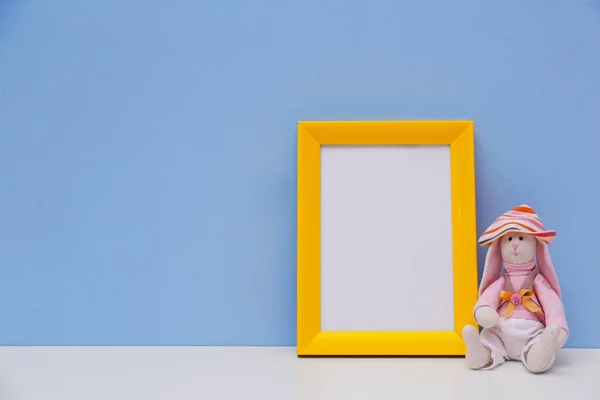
point(177, 373)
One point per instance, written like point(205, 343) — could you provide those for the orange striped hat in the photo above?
point(521, 219)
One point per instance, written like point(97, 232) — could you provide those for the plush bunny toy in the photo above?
point(521, 310)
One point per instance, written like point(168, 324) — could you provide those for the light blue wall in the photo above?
point(148, 149)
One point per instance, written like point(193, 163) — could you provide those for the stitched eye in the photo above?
point(510, 238)
point(521, 238)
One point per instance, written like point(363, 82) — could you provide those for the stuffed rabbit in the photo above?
point(521, 310)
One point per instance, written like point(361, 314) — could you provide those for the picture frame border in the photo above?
point(459, 135)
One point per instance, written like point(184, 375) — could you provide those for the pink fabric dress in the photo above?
point(512, 337)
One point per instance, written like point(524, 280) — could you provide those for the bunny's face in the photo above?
point(518, 248)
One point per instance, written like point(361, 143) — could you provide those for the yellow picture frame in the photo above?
point(459, 135)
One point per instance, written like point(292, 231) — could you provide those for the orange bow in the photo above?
point(523, 297)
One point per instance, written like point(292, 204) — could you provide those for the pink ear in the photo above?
point(491, 269)
point(545, 266)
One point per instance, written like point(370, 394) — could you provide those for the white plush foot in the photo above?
point(478, 356)
point(540, 354)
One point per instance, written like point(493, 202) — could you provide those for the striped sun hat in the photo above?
point(520, 219)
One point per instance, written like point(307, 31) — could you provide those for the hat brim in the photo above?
point(546, 236)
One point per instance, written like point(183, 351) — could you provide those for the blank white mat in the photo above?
point(386, 239)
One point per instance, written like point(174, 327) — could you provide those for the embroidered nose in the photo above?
point(515, 299)
point(515, 246)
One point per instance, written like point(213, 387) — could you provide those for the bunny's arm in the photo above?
point(551, 303)
point(490, 296)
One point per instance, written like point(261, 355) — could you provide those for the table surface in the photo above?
point(149, 373)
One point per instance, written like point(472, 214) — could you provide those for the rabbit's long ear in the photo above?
point(493, 264)
point(545, 266)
